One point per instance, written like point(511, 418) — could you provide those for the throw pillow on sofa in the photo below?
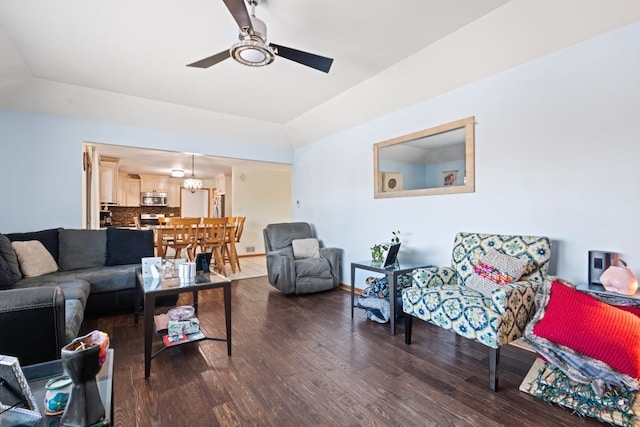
point(7, 279)
point(48, 238)
point(128, 246)
point(35, 260)
point(82, 249)
point(7, 252)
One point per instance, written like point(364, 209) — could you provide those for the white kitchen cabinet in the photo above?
point(122, 189)
point(132, 192)
point(173, 193)
point(108, 172)
point(223, 183)
point(154, 184)
point(128, 190)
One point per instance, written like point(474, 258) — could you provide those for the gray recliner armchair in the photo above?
point(295, 262)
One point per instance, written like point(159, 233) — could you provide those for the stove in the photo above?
point(150, 219)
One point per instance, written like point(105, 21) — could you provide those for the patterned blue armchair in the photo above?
point(494, 316)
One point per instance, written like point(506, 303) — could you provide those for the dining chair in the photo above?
point(178, 237)
point(212, 239)
point(229, 252)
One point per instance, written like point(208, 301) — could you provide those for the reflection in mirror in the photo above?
point(438, 160)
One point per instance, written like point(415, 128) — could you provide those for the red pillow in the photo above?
point(601, 331)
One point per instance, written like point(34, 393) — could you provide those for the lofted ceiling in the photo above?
point(141, 47)
point(124, 61)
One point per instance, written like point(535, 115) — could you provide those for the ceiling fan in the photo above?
point(253, 49)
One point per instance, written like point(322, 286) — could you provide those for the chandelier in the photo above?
point(192, 184)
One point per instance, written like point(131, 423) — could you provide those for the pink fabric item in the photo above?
point(598, 330)
point(620, 280)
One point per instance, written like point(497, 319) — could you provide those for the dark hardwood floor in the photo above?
point(302, 361)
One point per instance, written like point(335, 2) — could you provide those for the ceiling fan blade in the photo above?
point(240, 14)
point(321, 63)
point(211, 60)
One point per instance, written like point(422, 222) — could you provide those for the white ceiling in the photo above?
point(159, 162)
point(124, 61)
point(141, 47)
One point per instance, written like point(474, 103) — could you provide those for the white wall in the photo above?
point(263, 196)
point(41, 163)
point(556, 154)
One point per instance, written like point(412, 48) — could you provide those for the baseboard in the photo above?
point(347, 288)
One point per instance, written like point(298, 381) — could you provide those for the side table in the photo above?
point(595, 288)
point(392, 273)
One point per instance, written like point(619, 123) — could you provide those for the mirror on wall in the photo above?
point(439, 160)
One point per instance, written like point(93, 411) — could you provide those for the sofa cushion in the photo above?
point(481, 284)
point(312, 267)
point(49, 238)
point(75, 289)
point(128, 246)
point(35, 260)
point(7, 252)
point(100, 279)
point(305, 248)
point(7, 279)
point(74, 314)
point(82, 249)
point(280, 235)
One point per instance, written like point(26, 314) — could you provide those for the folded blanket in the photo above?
point(378, 309)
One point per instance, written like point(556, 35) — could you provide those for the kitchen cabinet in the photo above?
point(173, 193)
point(122, 189)
point(223, 183)
point(154, 184)
point(108, 173)
point(128, 190)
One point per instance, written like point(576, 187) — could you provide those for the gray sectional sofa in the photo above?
point(94, 276)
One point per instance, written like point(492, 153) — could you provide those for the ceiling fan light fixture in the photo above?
point(251, 52)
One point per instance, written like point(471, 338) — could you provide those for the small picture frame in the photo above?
point(202, 262)
point(15, 394)
point(449, 177)
point(151, 266)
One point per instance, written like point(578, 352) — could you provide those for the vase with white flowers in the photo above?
point(379, 250)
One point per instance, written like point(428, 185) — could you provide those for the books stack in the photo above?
point(177, 331)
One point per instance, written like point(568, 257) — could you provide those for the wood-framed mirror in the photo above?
point(438, 160)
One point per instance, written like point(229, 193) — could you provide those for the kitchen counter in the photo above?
point(123, 216)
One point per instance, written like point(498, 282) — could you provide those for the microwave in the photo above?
point(153, 199)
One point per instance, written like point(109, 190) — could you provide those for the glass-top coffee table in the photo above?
point(37, 377)
point(150, 288)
